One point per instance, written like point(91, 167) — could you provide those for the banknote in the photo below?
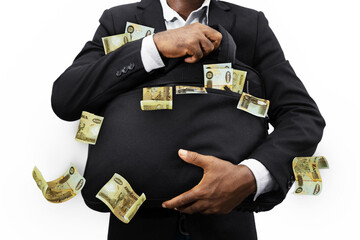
point(40, 181)
point(89, 128)
point(149, 105)
point(256, 106)
point(118, 195)
point(61, 189)
point(190, 90)
point(218, 78)
point(158, 93)
point(216, 65)
point(157, 98)
point(137, 31)
point(238, 80)
point(307, 175)
point(111, 43)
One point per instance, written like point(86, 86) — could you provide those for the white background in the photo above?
point(40, 39)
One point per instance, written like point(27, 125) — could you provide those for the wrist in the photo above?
point(248, 178)
point(157, 41)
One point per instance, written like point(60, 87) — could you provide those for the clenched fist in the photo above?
point(195, 41)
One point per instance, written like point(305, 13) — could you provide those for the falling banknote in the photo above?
point(61, 189)
point(137, 31)
point(157, 98)
point(118, 195)
point(190, 90)
point(111, 43)
point(307, 175)
point(89, 128)
point(256, 106)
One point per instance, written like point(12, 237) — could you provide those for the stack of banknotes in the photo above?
point(307, 175)
point(222, 76)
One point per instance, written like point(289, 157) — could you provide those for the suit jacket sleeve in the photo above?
point(94, 78)
point(298, 125)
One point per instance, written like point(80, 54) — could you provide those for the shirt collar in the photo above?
point(170, 14)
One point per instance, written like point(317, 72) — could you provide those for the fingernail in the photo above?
point(163, 205)
point(182, 153)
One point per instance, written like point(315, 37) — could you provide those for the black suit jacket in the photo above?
point(95, 79)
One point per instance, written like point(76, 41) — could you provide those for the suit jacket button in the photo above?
point(131, 66)
point(124, 70)
point(118, 73)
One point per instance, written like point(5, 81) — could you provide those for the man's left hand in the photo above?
point(222, 187)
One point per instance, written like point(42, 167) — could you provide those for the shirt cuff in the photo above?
point(264, 181)
point(150, 56)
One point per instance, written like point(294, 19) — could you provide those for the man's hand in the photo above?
point(195, 40)
point(223, 186)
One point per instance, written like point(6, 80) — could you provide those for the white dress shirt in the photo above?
point(151, 60)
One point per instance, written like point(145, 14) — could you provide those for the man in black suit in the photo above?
point(181, 31)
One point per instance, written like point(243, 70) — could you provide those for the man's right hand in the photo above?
point(195, 41)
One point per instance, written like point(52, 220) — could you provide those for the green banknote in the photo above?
point(307, 176)
point(137, 31)
point(61, 189)
point(256, 106)
point(118, 195)
point(89, 128)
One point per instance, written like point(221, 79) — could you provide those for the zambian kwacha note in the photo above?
point(62, 189)
point(121, 199)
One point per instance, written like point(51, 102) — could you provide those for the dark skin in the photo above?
point(224, 185)
point(194, 41)
point(184, 8)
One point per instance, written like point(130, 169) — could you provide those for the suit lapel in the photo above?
point(219, 14)
point(149, 13)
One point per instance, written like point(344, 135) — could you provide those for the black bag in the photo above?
point(142, 146)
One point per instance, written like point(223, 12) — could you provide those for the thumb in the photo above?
point(191, 59)
point(194, 158)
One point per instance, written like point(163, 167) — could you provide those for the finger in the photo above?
point(182, 200)
point(195, 53)
point(207, 212)
point(197, 207)
point(194, 158)
point(213, 35)
point(206, 45)
point(190, 59)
